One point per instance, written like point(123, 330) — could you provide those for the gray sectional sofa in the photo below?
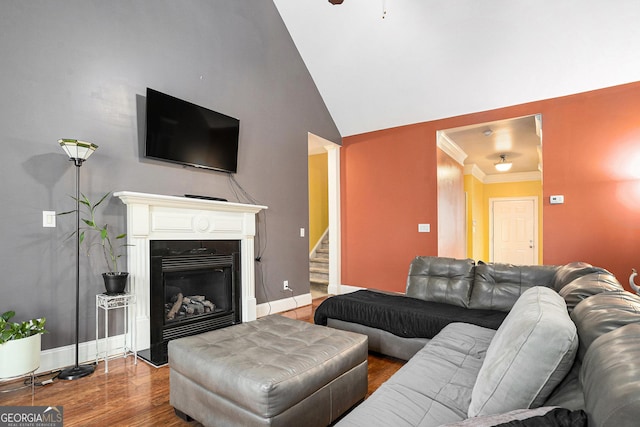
point(565, 349)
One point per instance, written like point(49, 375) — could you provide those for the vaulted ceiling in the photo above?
point(384, 63)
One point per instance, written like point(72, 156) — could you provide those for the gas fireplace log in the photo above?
point(176, 307)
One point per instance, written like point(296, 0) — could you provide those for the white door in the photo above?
point(514, 230)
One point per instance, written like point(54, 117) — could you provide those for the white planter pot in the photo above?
point(20, 357)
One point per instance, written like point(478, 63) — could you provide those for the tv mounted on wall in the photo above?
point(180, 132)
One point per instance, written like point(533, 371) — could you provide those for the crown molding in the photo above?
point(473, 169)
point(451, 148)
point(513, 177)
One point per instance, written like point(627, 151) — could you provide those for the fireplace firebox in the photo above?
point(195, 287)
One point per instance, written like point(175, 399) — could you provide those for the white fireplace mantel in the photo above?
point(158, 217)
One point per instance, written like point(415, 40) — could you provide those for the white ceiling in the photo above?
point(431, 59)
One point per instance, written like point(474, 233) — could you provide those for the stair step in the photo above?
point(319, 281)
point(322, 250)
point(321, 270)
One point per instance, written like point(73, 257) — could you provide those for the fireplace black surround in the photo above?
point(195, 287)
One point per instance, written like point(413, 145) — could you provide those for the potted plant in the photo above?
point(20, 344)
point(115, 280)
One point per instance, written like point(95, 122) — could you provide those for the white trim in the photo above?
point(282, 305)
point(473, 169)
point(62, 357)
point(312, 254)
point(513, 177)
point(335, 238)
point(346, 289)
point(451, 148)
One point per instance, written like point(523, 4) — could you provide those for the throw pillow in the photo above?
point(530, 354)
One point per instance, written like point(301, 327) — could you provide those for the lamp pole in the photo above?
point(78, 152)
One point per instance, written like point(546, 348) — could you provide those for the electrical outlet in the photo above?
point(285, 286)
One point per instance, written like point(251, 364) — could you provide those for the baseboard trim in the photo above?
point(281, 305)
point(62, 357)
point(342, 289)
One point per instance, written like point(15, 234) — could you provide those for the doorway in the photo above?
point(330, 152)
point(513, 230)
point(483, 149)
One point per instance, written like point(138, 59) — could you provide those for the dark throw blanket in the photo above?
point(401, 315)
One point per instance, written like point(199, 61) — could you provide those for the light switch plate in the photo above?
point(48, 218)
point(424, 228)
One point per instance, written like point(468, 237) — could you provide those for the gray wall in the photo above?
point(79, 69)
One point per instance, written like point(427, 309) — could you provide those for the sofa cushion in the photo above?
point(498, 286)
point(431, 389)
point(567, 273)
point(439, 279)
point(546, 416)
point(610, 376)
point(529, 356)
point(602, 313)
point(588, 285)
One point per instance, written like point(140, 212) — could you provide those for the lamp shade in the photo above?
point(503, 165)
point(77, 150)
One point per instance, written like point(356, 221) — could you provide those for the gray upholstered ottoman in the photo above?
point(274, 371)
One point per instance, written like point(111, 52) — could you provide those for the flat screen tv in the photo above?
point(181, 132)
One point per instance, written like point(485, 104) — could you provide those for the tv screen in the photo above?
point(181, 132)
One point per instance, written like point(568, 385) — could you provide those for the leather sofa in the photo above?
point(566, 351)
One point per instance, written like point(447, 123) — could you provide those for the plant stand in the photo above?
point(107, 303)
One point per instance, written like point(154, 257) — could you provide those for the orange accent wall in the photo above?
point(591, 155)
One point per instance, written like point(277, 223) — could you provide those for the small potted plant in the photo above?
point(20, 344)
point(115, 280)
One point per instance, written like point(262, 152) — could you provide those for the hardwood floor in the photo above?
point(138, 395)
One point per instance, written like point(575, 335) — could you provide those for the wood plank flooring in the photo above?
point(138, 395)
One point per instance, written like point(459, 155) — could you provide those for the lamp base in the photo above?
point(76, 372)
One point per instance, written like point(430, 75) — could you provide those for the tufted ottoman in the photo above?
point(273, 371)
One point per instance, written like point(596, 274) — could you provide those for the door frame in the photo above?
point(536, 222)
point(333, 176)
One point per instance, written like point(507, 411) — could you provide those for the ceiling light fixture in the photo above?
point(503, 165)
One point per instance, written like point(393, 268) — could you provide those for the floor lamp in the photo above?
point(78, 152)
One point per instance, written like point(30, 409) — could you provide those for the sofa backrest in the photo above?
point(498, 286)
point(440, 279)
point(610, 378)
point(588, 285)
point(602, 313)
point(567, 273)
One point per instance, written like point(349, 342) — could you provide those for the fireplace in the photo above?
point(154, 217)
point(195, 287)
